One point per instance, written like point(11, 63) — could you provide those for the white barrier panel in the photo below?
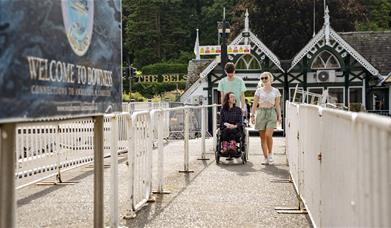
point(75, 143)
point(337, 168)
point(345, 165)
point(140, 159)
point(35, 159)
point(311, 139)
point(122, 133)
point(42, 149)
point(372, 192)
point(292, 142)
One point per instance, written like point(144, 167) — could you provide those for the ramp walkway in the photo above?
point(226, 195)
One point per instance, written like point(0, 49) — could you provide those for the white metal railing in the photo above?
point(143, 106)
point(339, 163)
point(43, 149)
point(47, 148)
point(140, 159)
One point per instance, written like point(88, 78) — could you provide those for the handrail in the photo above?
point(329, 150)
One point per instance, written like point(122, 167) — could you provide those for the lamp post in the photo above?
point(224, 54)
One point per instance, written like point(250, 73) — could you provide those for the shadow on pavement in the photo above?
point(151, 211)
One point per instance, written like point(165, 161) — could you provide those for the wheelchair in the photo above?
point(241, 147)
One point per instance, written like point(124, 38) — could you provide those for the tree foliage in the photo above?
point(164, 30)
point(378, 16)
point(286, 26)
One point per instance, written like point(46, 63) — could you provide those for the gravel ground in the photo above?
point(226, 195)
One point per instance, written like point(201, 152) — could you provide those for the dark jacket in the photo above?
point(232, 116)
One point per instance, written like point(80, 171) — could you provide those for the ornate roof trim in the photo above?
point(191, 89)
point(354, 53)
point(307, 48)
point(266, 50)
point(209, 68)
point(345, 45)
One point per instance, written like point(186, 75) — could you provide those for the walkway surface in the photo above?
point(225, 195)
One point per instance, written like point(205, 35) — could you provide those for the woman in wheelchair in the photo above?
point(231, 122)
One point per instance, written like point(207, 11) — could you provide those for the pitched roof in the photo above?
point(388, 79)
point(375, 47)
point(340, 41)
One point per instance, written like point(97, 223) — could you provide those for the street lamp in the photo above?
point(223, 29)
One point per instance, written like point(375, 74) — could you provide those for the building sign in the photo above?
point(59, 59)
point(161, 78)
point(231, 49)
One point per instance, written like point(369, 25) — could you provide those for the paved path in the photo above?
point(225, 195)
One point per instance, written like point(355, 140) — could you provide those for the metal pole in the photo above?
point(186, 143)
point(114, 172)
point(214, 118)
point(160, 151)
point(224, 55)
point(98, 173)
point(131, 143)
point(203, 132)
point(160, 168)
point(7, 176)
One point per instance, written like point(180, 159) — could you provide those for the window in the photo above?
point(355, 99)
point(337, 94)
point(248, 62)
point(325, 60)
point(314, 97)
point(299, 95)
point(355, 95)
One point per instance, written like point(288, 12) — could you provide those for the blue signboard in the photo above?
point(59, 58)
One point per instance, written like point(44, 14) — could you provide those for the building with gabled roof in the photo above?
point(354, 67)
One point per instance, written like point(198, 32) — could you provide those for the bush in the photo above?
point(150, 89)
point(164, 68)
point(136, 96)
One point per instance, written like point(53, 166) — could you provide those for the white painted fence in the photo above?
point(47, 148)
point(340, 165)
point(140, 158)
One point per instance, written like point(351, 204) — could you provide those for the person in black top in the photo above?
point(231, 122)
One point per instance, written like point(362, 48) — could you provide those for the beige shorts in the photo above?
point(265, 118)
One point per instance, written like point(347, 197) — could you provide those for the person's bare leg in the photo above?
point(269, 140)
point(262, 135)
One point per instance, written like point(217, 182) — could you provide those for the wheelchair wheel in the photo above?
point(217, 155)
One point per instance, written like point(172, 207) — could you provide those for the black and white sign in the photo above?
point(59, 58)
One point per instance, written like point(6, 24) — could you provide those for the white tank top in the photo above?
point(267, 99)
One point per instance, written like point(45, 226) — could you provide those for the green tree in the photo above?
point(287, 26)
point(379, 16)
point(159, 30)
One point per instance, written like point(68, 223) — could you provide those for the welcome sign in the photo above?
point(59, 58)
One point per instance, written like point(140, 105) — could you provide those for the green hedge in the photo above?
point(164, 68)
point(136, 96)
point(149, 89)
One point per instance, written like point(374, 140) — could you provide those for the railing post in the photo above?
point(203, 132)
point(114, 172)
point(130, 214)
point(160, 152)
point(214, 118)
point(160, 168)
point(7, 176)
point(186, 143)
point(98, 172)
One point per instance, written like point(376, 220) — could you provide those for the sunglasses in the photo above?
point(264, 78)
